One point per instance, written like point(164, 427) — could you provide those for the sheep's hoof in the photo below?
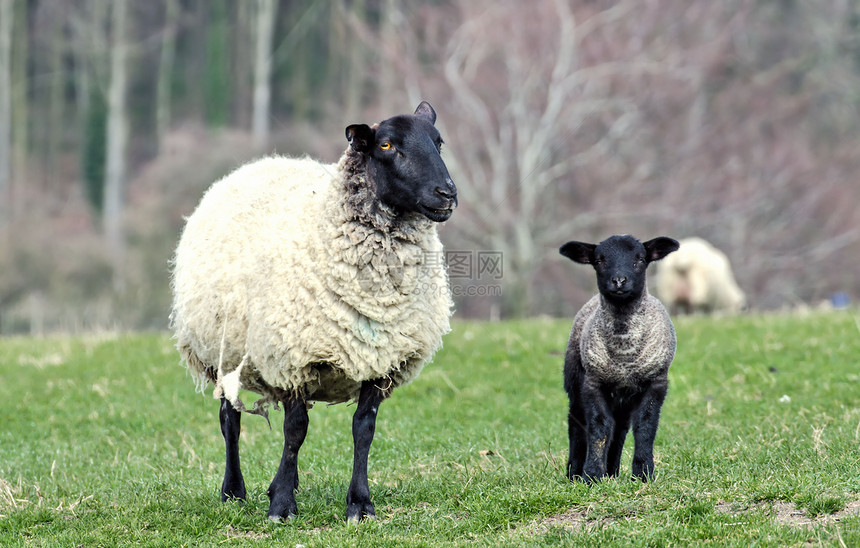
point(357, 512)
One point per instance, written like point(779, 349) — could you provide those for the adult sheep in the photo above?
point(698, 278)
point(617, 360)
point(306, 282)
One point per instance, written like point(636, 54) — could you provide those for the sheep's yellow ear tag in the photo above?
point(385, 146)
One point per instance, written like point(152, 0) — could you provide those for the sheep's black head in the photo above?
point(620, 263)
point(404, 161)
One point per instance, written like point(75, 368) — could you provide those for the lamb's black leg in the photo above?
point(616, 446)
point(233, 486)
point(578, 441)
point(599, 428)
point(645, 420)
point(358, 505)
point(282, 491)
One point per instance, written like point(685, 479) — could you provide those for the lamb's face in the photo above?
point(404, 160)
point(620, 263)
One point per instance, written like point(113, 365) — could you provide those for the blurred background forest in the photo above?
point(737, 121)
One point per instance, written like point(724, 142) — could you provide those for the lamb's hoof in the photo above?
point(235, 493)
point(591, 479)
point(356, 512)
point(281, 519)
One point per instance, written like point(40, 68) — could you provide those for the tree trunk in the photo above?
point(244, 44)
point(6, 11)
point(56, 100)
point(217, 77)
point(117, 137)
point(165, 70)
point(20, 105)
point(266, 13)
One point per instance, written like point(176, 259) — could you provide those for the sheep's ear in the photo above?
point(579, 252)
point(658, 248)
point(360, 137)
point(425, 111)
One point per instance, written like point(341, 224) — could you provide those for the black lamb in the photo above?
point(617, 360)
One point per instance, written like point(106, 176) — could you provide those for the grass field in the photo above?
point(104, 442)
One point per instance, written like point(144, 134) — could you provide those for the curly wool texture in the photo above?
point(291, 276)
point(699, 276)
point(628, 349)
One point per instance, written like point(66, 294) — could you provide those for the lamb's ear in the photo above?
point(425, 111)
point(360, 137)
point(658, 248)
point(579, 252)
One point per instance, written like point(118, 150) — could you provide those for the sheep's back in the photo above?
point(701, 275)
point(245, 222)
point(265, 279)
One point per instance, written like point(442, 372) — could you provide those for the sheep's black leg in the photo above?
point(599, 428)
point(282, 491)
point(358, 505)
point(233, 486)
point(577, 437)
point(645, 420)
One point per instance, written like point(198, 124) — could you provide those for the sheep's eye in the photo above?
point(385, 146)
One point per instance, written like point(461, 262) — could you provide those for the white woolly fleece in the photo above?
point(280, 286)
point(700, 274)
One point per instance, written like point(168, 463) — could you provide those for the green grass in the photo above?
point(104, 442)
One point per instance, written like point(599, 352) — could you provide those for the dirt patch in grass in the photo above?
point(232, 533)
point(786, 513)
point(573, 519)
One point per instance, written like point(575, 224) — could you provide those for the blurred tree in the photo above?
point(7, 8)
point(217, 76)
point(243, 52)
point(266, 14)
point(20, 99)
point(165, 69)
point(89, 24)
point(117, 139)
point(94, 151)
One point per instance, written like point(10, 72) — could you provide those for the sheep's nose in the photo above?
point(449, 191)
point(619, 281)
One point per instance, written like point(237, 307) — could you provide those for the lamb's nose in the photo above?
point(619, 281)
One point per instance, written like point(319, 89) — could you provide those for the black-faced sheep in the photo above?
point(617, 360)
point(307, 282)
point(698, 278)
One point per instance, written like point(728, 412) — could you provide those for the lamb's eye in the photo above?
point(385, 146)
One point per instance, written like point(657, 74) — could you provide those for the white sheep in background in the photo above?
point(308, 282)
point(698, 278)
